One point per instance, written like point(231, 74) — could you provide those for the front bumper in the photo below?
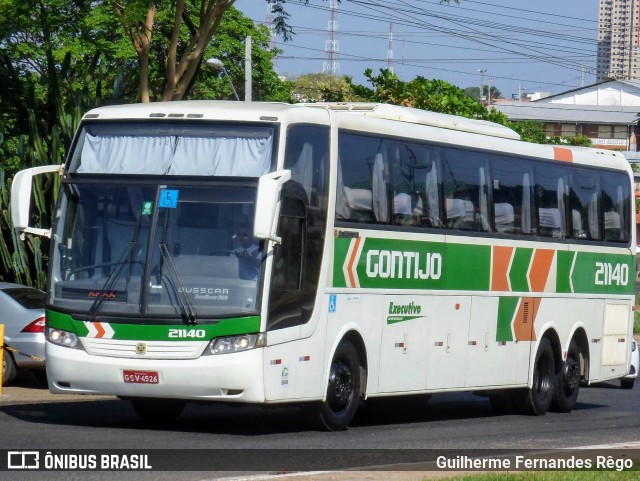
point(236, 377)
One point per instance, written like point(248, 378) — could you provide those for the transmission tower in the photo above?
point(390, 49)
point(331, 65)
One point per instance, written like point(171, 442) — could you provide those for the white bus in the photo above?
point(324, 254)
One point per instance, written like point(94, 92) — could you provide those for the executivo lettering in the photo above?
point(404, 312)
point(410, 308)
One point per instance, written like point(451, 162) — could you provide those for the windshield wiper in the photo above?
point(111, 281)
point(183, 300)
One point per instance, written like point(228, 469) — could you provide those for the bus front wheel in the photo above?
point(343, 392)
point(537, 399)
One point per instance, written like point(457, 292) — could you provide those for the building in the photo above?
point(618, 40)
point(607, 113)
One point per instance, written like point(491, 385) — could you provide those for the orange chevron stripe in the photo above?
point(500, 269)
point(562, 154)
point(352, 260)
point(100, 330)
point(524, 321)
point(540, 268)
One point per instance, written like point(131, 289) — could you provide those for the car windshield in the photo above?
point(156, 250)
point(27, 297)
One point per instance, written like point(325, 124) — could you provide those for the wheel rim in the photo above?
point(340, 386)
point(571, 376)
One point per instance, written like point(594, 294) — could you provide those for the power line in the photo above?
point(506, 40)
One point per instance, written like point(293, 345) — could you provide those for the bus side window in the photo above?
point(616, 198)
point(551, 195)
point(512, 199)
point(362, 188)
point(466, 191)
point(585, 205)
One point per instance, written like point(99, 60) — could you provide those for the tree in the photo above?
point(434, 95)
point(186, 28)
point(440, 96)
point(53, 70)
point(322, 87)
point(474, 92)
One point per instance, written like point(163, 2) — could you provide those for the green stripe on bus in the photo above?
point(563, 270)
point(467, 267)
point(507, 307)
point(370, 262)
point(519, 270)
point(155, 332)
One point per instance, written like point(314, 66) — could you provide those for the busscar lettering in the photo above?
point(404, 265)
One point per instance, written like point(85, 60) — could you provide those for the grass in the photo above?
point(551, 476)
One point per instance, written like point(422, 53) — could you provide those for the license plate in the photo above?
point(141, 377)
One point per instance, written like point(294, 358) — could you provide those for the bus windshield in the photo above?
point(165, 148)
point(153, 250)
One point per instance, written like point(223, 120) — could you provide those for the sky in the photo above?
point(514, 45)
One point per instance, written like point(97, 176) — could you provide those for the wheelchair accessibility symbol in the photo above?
point(332, 303)
point(168, 198)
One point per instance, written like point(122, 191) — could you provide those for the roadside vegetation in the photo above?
point(550, 476)
point(53, 71)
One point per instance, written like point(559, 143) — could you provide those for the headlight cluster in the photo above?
point(228, 345)
point(62, 338)
point(634, 345)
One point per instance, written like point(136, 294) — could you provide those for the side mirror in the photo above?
point(269, 187)
point(21, 198)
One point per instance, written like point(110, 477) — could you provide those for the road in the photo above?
point(33, 419)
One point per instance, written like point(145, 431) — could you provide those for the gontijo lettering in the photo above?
point(401, 264)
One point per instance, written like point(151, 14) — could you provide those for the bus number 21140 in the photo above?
point(608, 274)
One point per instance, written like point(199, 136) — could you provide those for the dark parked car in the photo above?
point(22, 313)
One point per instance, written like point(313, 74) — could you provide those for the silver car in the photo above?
point(22, 313)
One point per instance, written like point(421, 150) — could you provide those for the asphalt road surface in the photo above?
point(33, 419)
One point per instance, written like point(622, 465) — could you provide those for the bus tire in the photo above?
point(9, 370)
point(158, 410)
point(567, 386)
point(536, 400)
point(343, 392)
point(627, 383)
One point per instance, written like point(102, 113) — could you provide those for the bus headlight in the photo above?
point(227, 345)
point(62, 338)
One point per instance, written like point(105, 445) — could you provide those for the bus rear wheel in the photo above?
point(343, 392)
point(537, 399)
point(158, 410)
point(567, 386)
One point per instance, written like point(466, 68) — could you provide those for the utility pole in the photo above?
point(248, 70)
point(481, 72)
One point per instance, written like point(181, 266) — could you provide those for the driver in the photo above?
point(248, 252)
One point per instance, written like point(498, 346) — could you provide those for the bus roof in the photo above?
point(191, 109)
point(422, 117)
point(505, 139)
